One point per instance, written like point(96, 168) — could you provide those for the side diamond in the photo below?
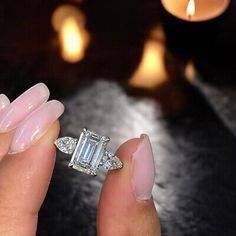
point(111, 162)
point(66, 144)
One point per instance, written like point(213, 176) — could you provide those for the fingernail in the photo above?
point(23, 106)
point(35, 126)
point(143, 170)
point(4, 102)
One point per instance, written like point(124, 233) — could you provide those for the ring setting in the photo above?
point(89, 152)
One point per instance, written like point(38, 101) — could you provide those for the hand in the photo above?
point(28, 128)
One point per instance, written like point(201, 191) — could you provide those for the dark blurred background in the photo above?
point(143, 71)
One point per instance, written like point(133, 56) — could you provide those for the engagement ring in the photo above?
point(89, 152)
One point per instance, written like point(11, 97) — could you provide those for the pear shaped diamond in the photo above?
point(111, 162)
point(66, 144)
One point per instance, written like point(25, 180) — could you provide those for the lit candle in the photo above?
point(192, 26)
point(69, 22)
point(196, 10)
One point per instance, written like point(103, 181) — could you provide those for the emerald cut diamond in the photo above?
point(89, 152)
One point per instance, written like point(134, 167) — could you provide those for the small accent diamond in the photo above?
point(66, 144)
point(111, 161)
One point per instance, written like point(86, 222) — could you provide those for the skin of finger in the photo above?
point(5, 138)
point(119, 213)
point(5, 142)
point(24, 181)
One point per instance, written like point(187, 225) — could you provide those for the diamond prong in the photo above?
point(94, 173)
point(70, 165)
point(106, 139)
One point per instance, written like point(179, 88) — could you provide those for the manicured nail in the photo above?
point(143, 170)
point(23, 106)
point(35, 126)
point(4, 102)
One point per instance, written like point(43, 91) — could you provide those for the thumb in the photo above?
point(126, 206)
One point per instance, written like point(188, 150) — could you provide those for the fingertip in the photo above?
point(125, 202)
point(4, 102)
point(22, 106)
point(52, 134)
point(125, 151)
point(35, 126)
point(121, 176)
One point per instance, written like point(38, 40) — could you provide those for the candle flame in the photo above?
point(190, 10)
point(72, 43)
point(190, 71)
point(69, 22)
point(151, 71)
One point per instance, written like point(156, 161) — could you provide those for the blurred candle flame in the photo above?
point(190, 10)
point(71, 40)
point(69, 22)
point(151, 71)
point(190, 71)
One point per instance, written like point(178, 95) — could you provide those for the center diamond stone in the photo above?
point(88, 152)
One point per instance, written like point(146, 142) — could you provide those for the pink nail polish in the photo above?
point(4, 102)
point(35, 126)
point(20, 108)
point(143, 170)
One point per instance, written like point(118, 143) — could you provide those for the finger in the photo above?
point(35, 125)
point(24, 180)
point(21, 107)
point(4, 102)
point(126, 207)
point(5, 142)
point(5, 139)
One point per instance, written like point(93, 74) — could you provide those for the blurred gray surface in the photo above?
point(194, 156)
